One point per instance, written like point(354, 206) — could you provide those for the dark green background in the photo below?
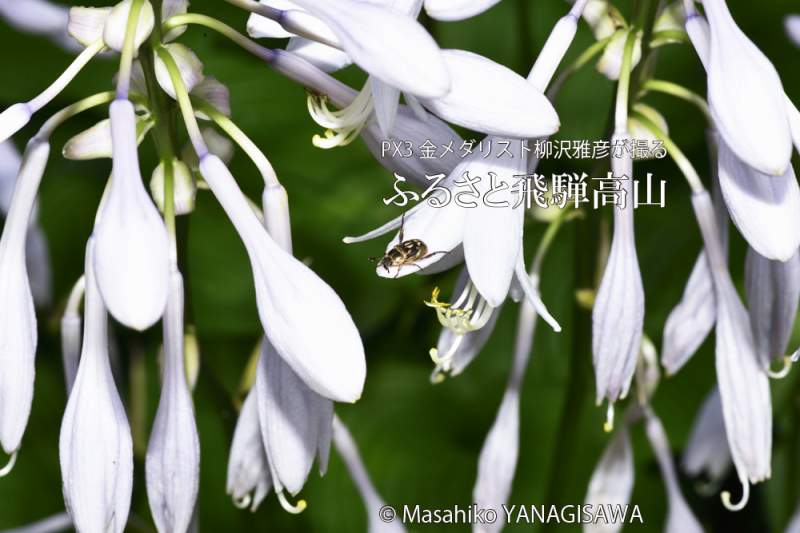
point(420, 442)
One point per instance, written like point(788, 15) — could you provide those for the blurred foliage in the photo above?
point(420, 442)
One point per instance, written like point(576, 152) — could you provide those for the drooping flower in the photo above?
point(680, 518)
point(618, 312)
point(249, 478)
point(773, 291)
point(707, 450)
point(743, 385)
point(690, 322)
point(39, 17)
point(18, 334)
point(295, 423)
point(95, 446)
point(132, 256)
point(172, 465)
point(498, 459)
point(746, 96)
point(612, 479)
point(291, 298)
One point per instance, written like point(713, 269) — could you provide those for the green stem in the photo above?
point(678, 91)
point(248, 146)
point(128, 49)
point(70, 111)
point(585, 56)
point(184, 103)
point(624, 85)
point(220, 27)
point(675, 153)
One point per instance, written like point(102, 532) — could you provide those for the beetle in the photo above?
point(405, 252)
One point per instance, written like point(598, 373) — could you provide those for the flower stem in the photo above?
point(678, 91)
point(675, 153)
point(234, 132)
point(220, 27)
point(128, 49)
point(70, 111)
point(67, 76)
point(284, 18)
point(624, 85)
point(184, 103)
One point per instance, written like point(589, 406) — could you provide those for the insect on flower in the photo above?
point(405, 252)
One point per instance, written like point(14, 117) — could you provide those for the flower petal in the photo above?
point(503, 104)
point(386, 100)
point(190, 67)
point(86, 23)
point(707, 450)
point(326, 58)
point(117, 22)
point(765, 209)
point(448, 10)
point(792, 26)
point(249, 478)
point(612, 479)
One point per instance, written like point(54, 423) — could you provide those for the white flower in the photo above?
point(117, 22)
point(13, 119)
point(302, 316)
point(765, 209)
point(746, 96)
point(95, 445)
point(132, 256)
point(295, 422)
point(348, 451)
point(18, 334)
point(743, 386)
point(448, 10)
point(618, 312)
point(498, 458)
point(690, 322)
point(680, 518)
point(612, 479)
point(773, 290)
point(189, 67)
point(503, 104)
point(172, 466)
point(792, 26)
point(95, 142)
point(249, 478)
point(707, 450)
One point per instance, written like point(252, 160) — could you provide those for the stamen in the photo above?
point(783, 372)
point(726, 497)
point(608, 426)
point(344, 125)
point(288, 507)
point(243, 502)
point(10, 465)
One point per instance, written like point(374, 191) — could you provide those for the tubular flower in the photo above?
point(172, 465)
point(707, 451)
point(132, 259)
point(95, 445)
point(618, 312)
point(743, 385)
point(249, 478)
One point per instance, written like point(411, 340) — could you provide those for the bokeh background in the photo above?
point(420, 441)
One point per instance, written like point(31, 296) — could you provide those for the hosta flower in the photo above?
point(707, 450)
point(18, 334)
point(172, 466)
point(743, 386)
point(37, 253)
point(610, 62)
point(249, 478)
point(184, 188)
point(680, 518)
point(618, 312)
point(295, 423)
point(348, 451)
point(95, 445)
point(291, 297)
point(498, 459)
point(132, 258)
point(612, 479)
point(690, 322)
point(746, 96)
point(773, 290)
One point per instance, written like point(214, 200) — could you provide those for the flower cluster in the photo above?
point(413, 94)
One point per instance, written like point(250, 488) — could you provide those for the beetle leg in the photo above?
point(402, 226)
